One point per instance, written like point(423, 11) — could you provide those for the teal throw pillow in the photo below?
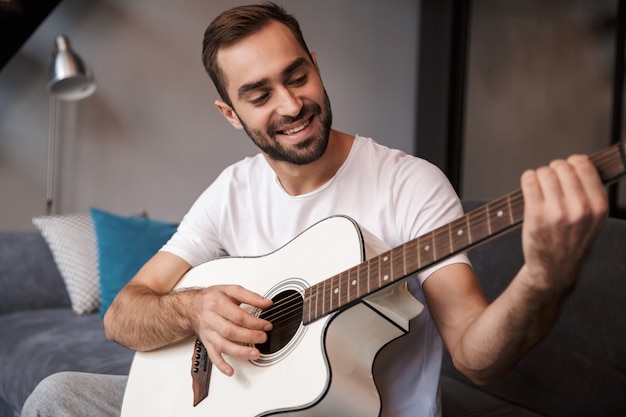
point(124, 244)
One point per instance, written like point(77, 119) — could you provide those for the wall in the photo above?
point(150, 137)
point(539, 87)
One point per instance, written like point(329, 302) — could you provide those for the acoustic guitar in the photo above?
point(339, 296)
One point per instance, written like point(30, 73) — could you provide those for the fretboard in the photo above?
point(475, 227)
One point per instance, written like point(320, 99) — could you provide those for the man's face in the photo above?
point(277, 95)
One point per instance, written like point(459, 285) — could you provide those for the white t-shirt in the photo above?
point(395, 196)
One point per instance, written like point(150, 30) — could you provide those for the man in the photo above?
point(270, 85)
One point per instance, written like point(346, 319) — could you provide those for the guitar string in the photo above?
point(437, 235)
point(604, 160)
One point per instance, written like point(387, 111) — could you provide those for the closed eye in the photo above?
point(300, 81)
point(260, 99)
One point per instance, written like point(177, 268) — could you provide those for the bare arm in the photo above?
point(565, 205)
point(147, 314)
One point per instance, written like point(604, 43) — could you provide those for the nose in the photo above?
point(289, 104)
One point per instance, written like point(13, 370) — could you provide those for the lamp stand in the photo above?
point(69, 79)
point(51, 174)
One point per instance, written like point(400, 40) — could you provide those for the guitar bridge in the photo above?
point(200, 372)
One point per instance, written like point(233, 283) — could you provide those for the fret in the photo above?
point(403, 254)
point(400, 263)
point(313, 302)
point(397, 262)
point(460, 236)
point(611, 162)
point(411, 256)
point(306, 305)
point(363, 274)
point(416, 250)
point(426, 253)
point(340, 292)
point(356, 282)
point(385, 268)
point(478, 224)
point(499, 215)
point(404, 261)
point(508, 203)
point(441, 242)
point(335, 293)
point(350, 289)
point(324, 296)
point(347, 289)
point(516, 202)
point(374, 272)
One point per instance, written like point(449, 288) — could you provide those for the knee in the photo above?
point(47, 397)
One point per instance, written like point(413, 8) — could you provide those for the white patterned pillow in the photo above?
point(72, 241)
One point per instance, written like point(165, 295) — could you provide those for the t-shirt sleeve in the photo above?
point(197, 238)
point(426, 200)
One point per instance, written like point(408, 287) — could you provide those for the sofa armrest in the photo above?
point(29, 277)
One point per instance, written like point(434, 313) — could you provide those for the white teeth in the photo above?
point(297, 128)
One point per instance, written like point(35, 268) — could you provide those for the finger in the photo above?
point(550, 182)
point(242, 295)
point(217, 347)
point(570, 199)
point(239, 295)
point(530, 187)
point(533, 196)
point(244, 319)
point(541, 190)
point(223, 326)
point(591, 184)
point(218, 360)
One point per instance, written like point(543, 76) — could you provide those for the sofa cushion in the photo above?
point(29, 278)
point(460, 400)
point(72, 242)
point(124, 244)
point(36, 344)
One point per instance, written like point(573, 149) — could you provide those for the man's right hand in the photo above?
point(226, 328)
point(147, 314)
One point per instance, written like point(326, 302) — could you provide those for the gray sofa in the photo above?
point(579, 370)
point(39, 332)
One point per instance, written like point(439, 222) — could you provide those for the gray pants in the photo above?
point(76, 394)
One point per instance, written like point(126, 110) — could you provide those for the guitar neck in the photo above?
point(468, 231)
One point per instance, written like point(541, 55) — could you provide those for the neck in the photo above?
point(303, 179)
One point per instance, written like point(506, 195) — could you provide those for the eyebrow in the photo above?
point(286, 72)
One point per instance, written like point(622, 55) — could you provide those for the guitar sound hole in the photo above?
point(286, 316)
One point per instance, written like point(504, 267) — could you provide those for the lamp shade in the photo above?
point(70, 78)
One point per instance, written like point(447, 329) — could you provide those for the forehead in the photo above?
point(262, 55)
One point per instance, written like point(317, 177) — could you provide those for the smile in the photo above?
point(297, 128)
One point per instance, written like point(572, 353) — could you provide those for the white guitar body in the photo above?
point(324, 370)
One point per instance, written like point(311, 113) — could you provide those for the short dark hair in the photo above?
point(236, 24)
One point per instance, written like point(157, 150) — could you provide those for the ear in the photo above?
point(314, 58)
point(229, 113)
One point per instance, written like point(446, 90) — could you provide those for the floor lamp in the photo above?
point(70, 79)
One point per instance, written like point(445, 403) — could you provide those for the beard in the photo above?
point(303, 153)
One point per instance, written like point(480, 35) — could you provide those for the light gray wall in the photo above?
point(150, 137)
point(539, 88)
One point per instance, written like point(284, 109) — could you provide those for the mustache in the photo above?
point(306, 112)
